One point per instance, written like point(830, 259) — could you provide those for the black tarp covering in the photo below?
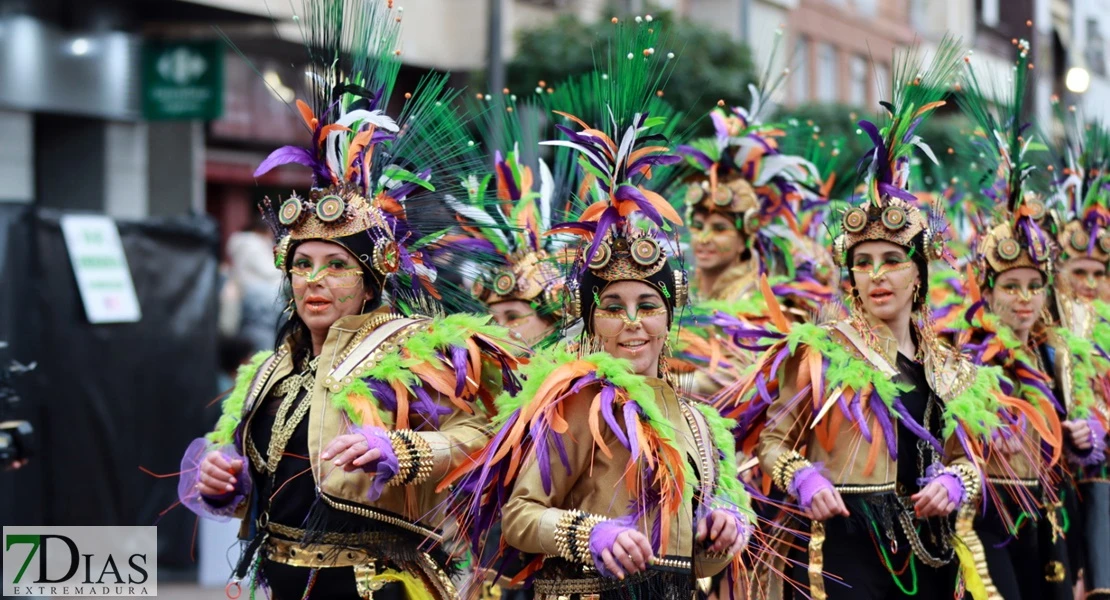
point(106, 399)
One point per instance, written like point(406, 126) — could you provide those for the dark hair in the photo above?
point(917, 255)
point(232, 351)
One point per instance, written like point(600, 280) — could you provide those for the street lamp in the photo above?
point(1077, 80)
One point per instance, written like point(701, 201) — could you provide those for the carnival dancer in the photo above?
point(613, 483)
point(870, 424)
point(1080, 222)
point(330, 447)
point(1019, 528)
point(517, 273)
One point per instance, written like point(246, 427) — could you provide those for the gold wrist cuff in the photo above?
point(572, 535)
point(415, 459)
point(782, 474)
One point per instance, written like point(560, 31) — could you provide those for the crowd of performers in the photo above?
point(554, 345)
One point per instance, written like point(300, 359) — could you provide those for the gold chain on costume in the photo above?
point(283, 428)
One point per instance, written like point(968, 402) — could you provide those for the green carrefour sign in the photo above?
point(183, 80)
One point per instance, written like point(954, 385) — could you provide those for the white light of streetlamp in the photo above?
point(1077, 80)
point(79, 46)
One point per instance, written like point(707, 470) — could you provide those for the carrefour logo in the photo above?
point(80, 561)
point(181, 65)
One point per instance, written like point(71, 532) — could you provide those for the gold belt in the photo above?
point(1011, 481)
point(333, 538)
point(853, 488)
point(315, 556)
point(591, 585)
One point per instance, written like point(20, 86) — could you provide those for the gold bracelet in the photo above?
point(782, 474)
point(414, 457)
point(572, 535)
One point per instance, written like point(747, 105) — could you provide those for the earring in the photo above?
point(289, 308)
point(664, 364)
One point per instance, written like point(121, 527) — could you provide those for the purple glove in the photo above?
point(218, 508)
point(743, 527)
point(386, 467)
point(806, 483)
point(951, 483)
point(1096, 454)
point(602, 538)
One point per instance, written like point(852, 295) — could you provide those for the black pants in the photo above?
point(855, 568)
point(1031, 565)
point(338, 583)
point(1096, 535)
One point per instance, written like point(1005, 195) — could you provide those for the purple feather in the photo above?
point(460, 361)
point(913, 426)
point(628, 192)
point(697, 155)
point(608, 394)
point(882, 415)
point(897, 192)
point(284, 156)
point(506, 173)
point(383, 393)
point(631, 416)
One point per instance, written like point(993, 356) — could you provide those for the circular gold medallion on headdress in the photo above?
point(1104, 242)
point(723, 196)
point(751, 221)
point(601, 257)
point(694, 194)
point(1008, 249)
point(1037, 209)
point(387, 257)
point(894, 217)
point(504, 283)
point(645, 252)
point(290, 211)
point(855, 220)
point(1079, 240)
point(330, 208)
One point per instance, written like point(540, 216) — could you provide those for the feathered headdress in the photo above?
point(1002, 141)
point(626, 223)
point(889, 211)
point(368, 169)
point(743, 173)
point(1081, 198)
point(510, 229)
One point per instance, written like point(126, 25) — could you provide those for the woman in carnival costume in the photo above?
point(870, 425)
point(1081, 223)
point(745, 208)
point(330, 447)
point(519, 278)
point(615, 485)
point(1020, 529)
point(749, 209)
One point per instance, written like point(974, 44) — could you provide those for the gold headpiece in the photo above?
point(528, 277)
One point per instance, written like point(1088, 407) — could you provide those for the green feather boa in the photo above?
point(232, 408)
point(424, 346)
point(975, 408)
point(729, 487)
point(1084, 373)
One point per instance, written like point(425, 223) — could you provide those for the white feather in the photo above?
point(479, 217)
point(376, 118)
point(547, 193)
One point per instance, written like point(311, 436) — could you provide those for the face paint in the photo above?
point(879, 271)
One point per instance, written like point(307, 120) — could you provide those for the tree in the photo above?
point(713, 66)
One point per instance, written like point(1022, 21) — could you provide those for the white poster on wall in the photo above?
point(96, 253)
